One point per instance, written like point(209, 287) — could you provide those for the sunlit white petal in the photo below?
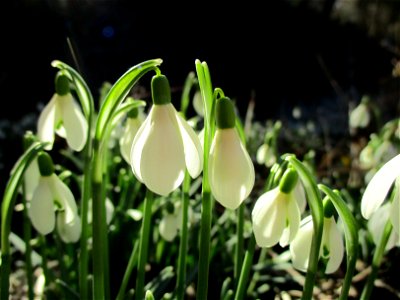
point(231, 171)
point(293, 222)
point(74, 122)
point(168, 227)
point(300, 195)
point(334, 242)
point(269, 219)
point(192, 147)
point(41, 210)
point(300, 247)
point(138, 144)
point(377, 223)
point(65, 198)
point(46, 122)
point(31, 179)
point(69, 232)
point(162, 164)
point(265, 155)
point(379, 187)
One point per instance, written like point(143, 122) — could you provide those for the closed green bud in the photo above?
point(288, 181)
point(160, 90)
point(45, 162)
point(62, 84)
point(225, 113)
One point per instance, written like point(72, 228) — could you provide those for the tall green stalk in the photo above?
point(244, 274)
point(144, 245)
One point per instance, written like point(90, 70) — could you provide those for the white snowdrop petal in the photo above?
point(336, 248)
point(168, 227)
point(132, 126)
point(64, 196)
point(261, 154)
point(74, 122)
point(300, 195)
point(379, 186)
point(69, 232)
point(269, 219)
point(377, 223)
point(192, 147)
point(293, 217)
point(31, 179)
point(162, 162)
point(138, 144)
point(359, 117)
point(41, 210)
point(46, 122)
point(231, 171)
point(300, 247)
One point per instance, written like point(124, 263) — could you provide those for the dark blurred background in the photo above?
point(318, 55)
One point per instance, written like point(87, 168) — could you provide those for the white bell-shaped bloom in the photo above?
point(231, 171)
point(377, 223)
point(131, 127)
point(266, 155)
point(332, 249)
point(379, 186)
point(52, 193)
point(276, 216)
point(360, 116)
point(165, 145)
point(63, 116)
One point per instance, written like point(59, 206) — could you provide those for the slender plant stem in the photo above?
point(256, 276)
point(181, 276)
point(131, 264)
point(43, 250)
point(244, 274)
point(144, 245)
point(376, 261)
point(239, 244)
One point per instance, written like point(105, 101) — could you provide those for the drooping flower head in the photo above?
point(360, 116)
point(276, 214)
point(63, 116)
point(231, 171)
point(165, 144)
point(53, 195)
point(332, 249)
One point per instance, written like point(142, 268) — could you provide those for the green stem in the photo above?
point(256, 276)
point(28, 247)
point(376, 261)
point(43, 250)
point(131, 264)
point(317, 213)
point(144, 245)
point(244, 274)
point(205, 229)
point(240, 242)
point(181, 276)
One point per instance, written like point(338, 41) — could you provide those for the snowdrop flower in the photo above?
point(165, 144)
point(276, 214)
point(378, 188)
point(31, 179)
point(198, 103)
point(52, 194)
point(332, 249)
point(360, 116)
point(266, 155)
point(63, 116)
point(133, 122)
point(377, 223)
point(231, 171)
point(171, 222)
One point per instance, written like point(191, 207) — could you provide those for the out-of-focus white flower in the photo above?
point(109, 211)
point(198, 104)
point(266, 155)
point(63, 116)
point(360, 116)
point(231, 171)
point(276, 214)
point(132, 125)
point(377, 223)
point(165, 145)
point(332, 249)
point(50, 195)
point(171, 222)
point(378, 188)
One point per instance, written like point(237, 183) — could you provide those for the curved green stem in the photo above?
point(181, 276)
point(218, 92)
point(351, 236)
point(144, 245)
point(7, 208)
point(376, 261)
point(317, 212)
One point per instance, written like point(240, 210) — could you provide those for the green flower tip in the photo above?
point(288, 181)
point(160, 90)
point(29, 139)
point(149, 295)
point(62, 84)
point(225, 113)
point(45, 162)
point(329, 209)
point(133, 113)
point(365, 99)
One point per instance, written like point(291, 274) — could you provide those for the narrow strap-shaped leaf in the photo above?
point(350, 233)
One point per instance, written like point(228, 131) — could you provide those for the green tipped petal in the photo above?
point(225, 114)
point(160, 90)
